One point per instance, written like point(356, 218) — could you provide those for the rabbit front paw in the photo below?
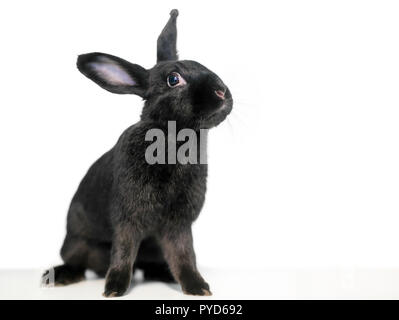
point(196, 288)
point(117, 283)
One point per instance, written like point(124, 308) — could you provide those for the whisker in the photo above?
point(244, 103)
point(231, 129)
point(239, 117)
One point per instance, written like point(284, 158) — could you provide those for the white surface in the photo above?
point(304, 173)
point(251, 284)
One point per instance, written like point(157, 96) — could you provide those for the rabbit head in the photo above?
point(181, 90)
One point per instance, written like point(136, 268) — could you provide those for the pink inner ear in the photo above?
point(112, 73)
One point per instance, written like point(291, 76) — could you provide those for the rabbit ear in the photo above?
point(114, 74)
point(166, 45)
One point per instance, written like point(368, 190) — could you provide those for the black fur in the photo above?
point(126, 213)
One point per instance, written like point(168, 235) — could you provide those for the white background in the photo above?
point(305, 172)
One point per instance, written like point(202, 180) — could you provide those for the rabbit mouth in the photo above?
point(224, 108)
point(218, 115)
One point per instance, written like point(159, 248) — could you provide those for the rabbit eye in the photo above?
point(174, 79)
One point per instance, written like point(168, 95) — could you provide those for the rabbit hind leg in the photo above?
point(79, 254)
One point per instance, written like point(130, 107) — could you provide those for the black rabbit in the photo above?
point(128, 213)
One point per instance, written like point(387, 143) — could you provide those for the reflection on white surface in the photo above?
point(233, 284)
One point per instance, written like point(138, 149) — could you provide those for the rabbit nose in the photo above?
point(220, 93)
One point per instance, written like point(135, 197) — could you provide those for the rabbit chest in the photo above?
point(179, 190)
